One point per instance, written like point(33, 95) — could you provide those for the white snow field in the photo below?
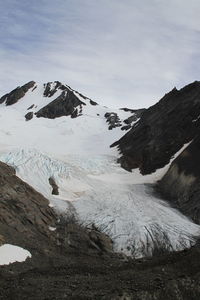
point(10, 254)
point(76, 154)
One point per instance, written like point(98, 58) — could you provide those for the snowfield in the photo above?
point(92, 186)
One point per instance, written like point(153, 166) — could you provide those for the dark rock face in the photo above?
point(51, 88)
point(113, 120)
point(136, 115)
point(131, 119)
point(93, 102)
point(30, 107)
point(54, 186)
point(162, 130)
point(16, 94)
point(181, 184)
point(67, 104)
point(29, 116)
point(63, 105)
point(126, 127)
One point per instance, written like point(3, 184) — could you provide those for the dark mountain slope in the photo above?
point(162, 130)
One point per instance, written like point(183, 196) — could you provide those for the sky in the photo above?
point(120, 53)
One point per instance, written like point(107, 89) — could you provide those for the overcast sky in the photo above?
point(120, 53)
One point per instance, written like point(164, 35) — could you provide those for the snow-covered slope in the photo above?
point(75, 153)
point(87, 133)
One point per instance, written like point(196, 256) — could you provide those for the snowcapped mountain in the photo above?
point(59, 142)
point(89, 127)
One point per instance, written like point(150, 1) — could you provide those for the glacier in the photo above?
point(92, 186)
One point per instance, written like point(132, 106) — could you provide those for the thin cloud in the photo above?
point(120, 53)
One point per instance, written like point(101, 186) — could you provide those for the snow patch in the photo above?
point(52, 228)
point(10, 254)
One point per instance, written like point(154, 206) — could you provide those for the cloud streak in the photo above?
point(119, 53)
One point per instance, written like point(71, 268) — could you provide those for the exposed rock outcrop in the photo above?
point(93, 102)
point(50, 88)
point(181, 184)
point(64, 105)
point(113, 120)
point(54, 186)
point(162, 130)
point(137, 112)
point(18, 93)
point(30, 107)
point(29, 116)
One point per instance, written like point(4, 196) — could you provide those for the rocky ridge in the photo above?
point(18, 93)
point(162, 130)
point(66, 102)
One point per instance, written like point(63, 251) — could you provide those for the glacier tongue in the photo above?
point(99, 192)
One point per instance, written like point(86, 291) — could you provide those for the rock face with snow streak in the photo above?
point(162, 130)
point(67, 103)
point(181, 184)
point(16, 94)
